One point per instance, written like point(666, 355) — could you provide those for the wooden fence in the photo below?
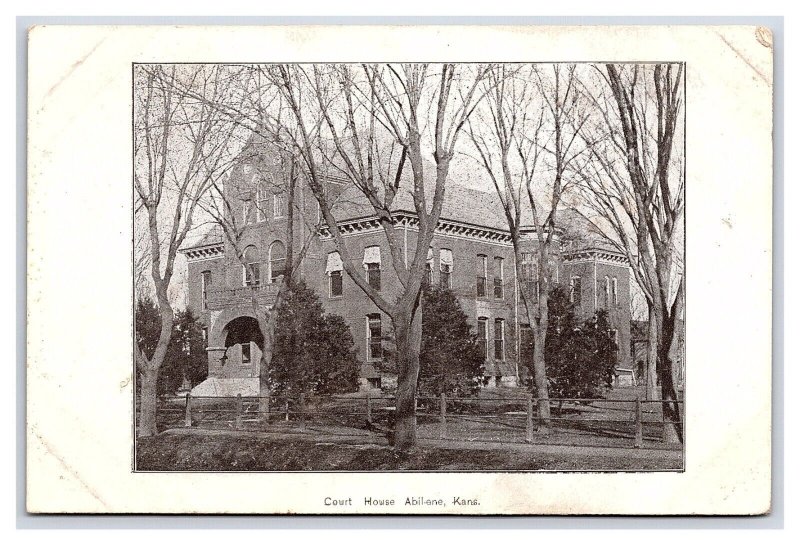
point(614, 422)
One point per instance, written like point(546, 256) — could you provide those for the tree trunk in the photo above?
point(267, 326)
point(673, 427)
point(651, 376)
point(147, 401)
point(540, 379)
point(407, 343)
point(151, 367)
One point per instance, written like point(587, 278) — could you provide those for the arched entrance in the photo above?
point(243, 343)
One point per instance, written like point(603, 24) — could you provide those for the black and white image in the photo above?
point(424, 267)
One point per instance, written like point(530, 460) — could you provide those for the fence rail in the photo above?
point(615, 422)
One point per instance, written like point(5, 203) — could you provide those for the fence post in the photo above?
point(302, 411)
point(369, 408)
point(442, 416)
point(529, 423)
point(287, 409)
point(238, 422)
point(266, 411)
point(188, 422)
point(637, 440)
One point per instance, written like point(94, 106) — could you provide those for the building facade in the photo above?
point(471, 253)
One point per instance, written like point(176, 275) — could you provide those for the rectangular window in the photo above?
point(498, 277)
point(205, 282)
point(279, 205)
point(245, 353)
point(252, 274)
point(374, 337)
point(428, 278)
point(445, 267)
point(499, 340)
point(333, 269)
point(604, 290)
point(575, 290)
point(483, 336)
point(247, 212)
point(614, 297)
point(372, 264)
point(530, 274)
point(336, 284)
point(481, 276)
point(205, 337)
point(262, 201)
point(374, 275)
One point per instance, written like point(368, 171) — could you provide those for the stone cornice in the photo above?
point(591, 254)
point(409, 219)
point(206, 251)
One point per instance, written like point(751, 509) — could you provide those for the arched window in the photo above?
point(277, 260)
point(251, 275)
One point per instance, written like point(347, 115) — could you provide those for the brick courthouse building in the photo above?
point(471, 253)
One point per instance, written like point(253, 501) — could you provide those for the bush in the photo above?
point(314, 352)
point(451, 361)
point(186, 355)
point(580, 358)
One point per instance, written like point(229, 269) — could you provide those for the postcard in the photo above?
point(470, 270)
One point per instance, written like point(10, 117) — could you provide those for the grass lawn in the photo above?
point(246, 452)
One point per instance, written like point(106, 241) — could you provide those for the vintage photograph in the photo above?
point(409, 267)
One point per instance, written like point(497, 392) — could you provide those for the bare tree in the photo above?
point(180, 148)
point(223, 204)
point(524, 136)
point(367, 125)
point(635, 186)
point(141, 254)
